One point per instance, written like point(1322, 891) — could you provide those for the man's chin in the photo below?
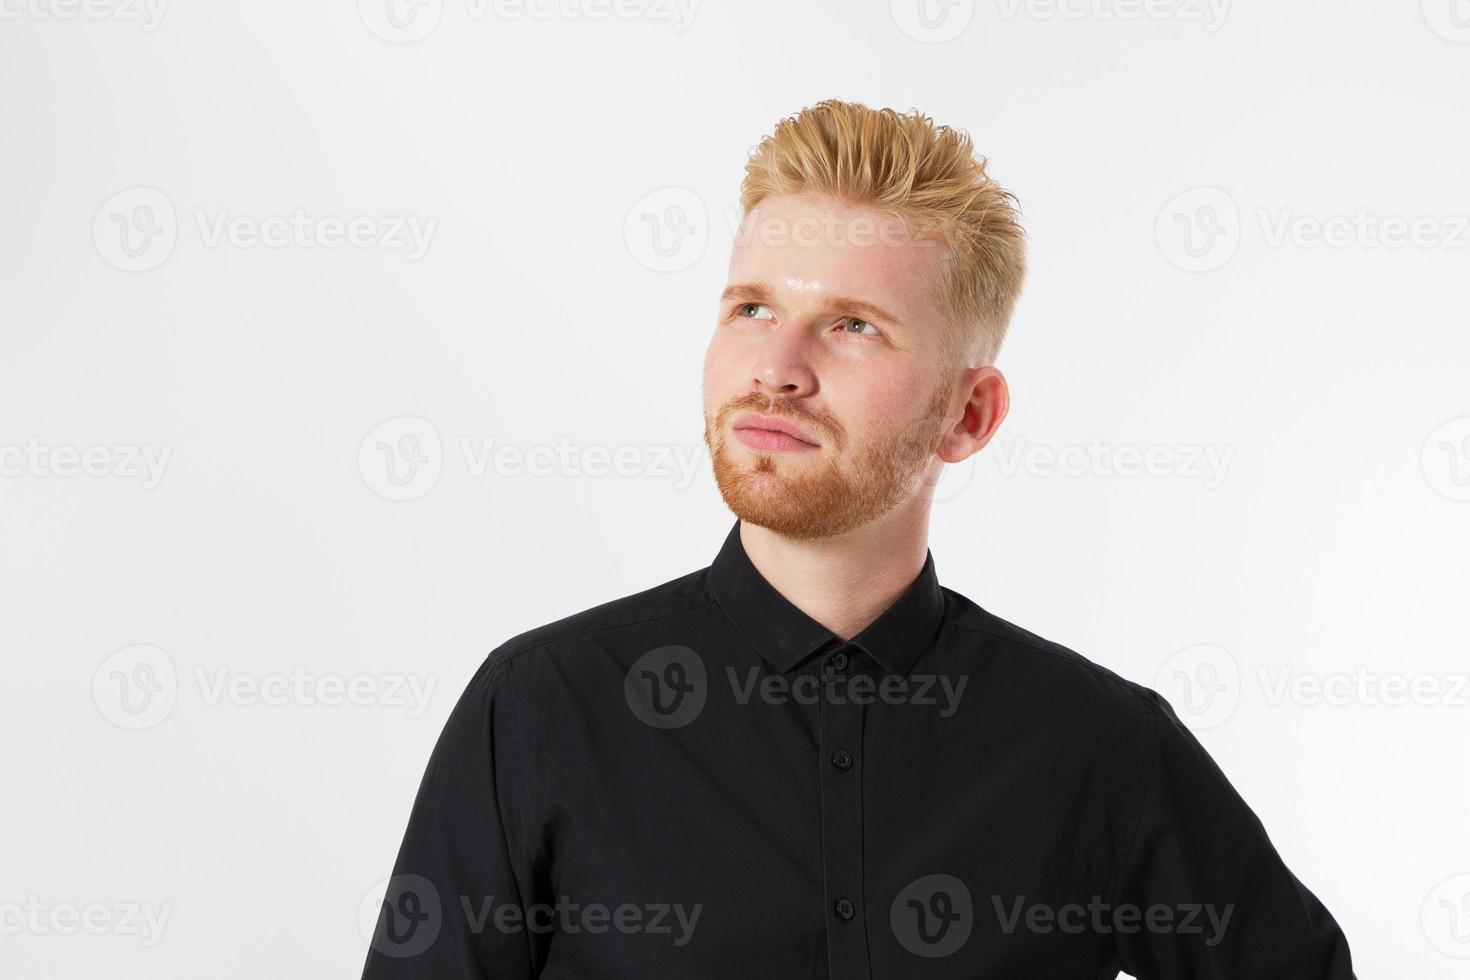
point(761, 494)
point(763, 498)
point(788, 524)
point(773, 502)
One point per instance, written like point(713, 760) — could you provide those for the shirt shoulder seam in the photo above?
point(499, 678)
point(1050, 648)
point(1147, 761)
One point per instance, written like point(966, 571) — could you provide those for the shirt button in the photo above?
point(842, 759)
point(844, 909)
point(839, 661)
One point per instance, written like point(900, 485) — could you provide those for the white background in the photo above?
point(575, 177)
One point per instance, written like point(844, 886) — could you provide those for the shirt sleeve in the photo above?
point(452, 909)
point(1202, 891)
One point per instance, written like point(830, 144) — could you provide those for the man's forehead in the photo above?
point(807, 275)
point(808, 245)
point(816, 286)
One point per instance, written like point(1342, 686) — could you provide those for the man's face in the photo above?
point(828, 325)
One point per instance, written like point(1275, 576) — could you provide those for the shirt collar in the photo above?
point(785, 636)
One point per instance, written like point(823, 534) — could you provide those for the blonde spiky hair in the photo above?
point(929, 177)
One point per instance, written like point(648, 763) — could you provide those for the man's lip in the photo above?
point(749, 421)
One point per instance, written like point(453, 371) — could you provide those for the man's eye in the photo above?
point(747, 310)
point(853, 324)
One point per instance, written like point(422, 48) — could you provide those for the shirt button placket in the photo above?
point(840, 765)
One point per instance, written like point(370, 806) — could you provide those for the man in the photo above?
point(810, 759)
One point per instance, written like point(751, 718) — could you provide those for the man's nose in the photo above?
point(783, 365)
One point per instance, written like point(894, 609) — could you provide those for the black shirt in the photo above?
point(700, 780)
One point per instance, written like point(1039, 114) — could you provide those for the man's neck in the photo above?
point(844, 582)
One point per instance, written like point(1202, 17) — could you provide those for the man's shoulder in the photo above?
point(1032, 663)
point(684, 594)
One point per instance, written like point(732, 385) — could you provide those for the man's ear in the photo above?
point(981, 413)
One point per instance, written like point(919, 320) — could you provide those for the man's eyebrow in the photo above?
point(759, 292)
point(756, 292)
point(863, 306)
